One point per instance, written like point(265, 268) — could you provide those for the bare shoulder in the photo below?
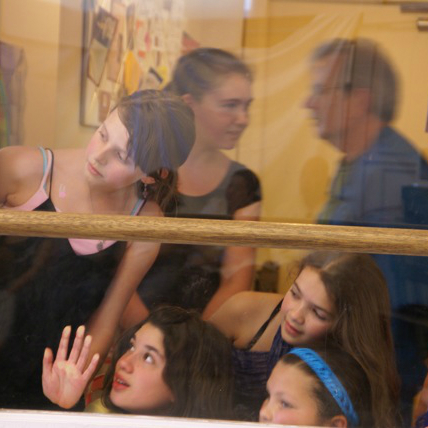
point(21, 171)
point(243, 313)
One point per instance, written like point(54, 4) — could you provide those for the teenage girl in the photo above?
point(338, 296)
point(318, 388)
point(172, 364)
point(46, 283)
point(217, 87)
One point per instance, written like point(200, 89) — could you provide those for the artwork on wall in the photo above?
point(127, 45)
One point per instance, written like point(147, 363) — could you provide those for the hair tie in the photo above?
point(330, 380)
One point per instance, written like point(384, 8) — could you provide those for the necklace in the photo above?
point(101, 242)
point(100, 245)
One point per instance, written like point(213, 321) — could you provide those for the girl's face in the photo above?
point(107, 160)
point(222, 114)
point(138, 385)
point(290, 398)
point(307, 311)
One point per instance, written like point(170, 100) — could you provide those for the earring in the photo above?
point(145, 191)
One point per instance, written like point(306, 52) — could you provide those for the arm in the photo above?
point(135, 312)
point(421, 402)
point(21, 170)
point(237, 271)
point(241, 316)
point(65, 379)
point(138, 258)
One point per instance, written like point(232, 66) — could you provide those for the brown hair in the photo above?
point(351, 376)
point(198, 367)
point(161, 134)
point(199, 71)
point(362, 325)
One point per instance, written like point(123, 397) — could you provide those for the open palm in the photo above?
point(64, 380)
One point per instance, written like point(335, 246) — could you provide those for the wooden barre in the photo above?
point(216, 232)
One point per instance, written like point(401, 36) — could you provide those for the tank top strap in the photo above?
point(48, 160)
point(139, 205)
point(263, 327)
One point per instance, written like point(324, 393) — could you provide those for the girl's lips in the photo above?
point(291, 330)
point(119, 384)
point(93, 170)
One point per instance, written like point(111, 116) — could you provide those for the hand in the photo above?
point(64, 380)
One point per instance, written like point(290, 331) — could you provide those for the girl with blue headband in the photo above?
point(318, 388)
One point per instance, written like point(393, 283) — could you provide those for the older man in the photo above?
point(378, 182)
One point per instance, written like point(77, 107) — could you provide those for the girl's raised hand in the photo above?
point(64, 380)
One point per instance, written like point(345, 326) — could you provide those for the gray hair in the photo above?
point(364, 66)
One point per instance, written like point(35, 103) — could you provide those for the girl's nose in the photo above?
point(101, 155)
point(243, 116)
point(125, 362)
point(298, 314)
point(265, 412)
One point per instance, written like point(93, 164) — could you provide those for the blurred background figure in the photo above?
point(217, 87)
point(379, 182)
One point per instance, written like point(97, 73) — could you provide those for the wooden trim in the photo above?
point(216, 232)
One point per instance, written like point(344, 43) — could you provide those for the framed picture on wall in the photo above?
point(127, 45)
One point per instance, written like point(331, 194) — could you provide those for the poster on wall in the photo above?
point(127, 45)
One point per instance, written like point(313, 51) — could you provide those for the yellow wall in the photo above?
point(34, 26)
point(50, 32)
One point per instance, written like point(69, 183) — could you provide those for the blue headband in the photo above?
point(330, 381)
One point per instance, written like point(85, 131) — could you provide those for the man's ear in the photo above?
point(362, 98)
point(339, 421)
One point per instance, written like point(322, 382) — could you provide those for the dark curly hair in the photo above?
point(198, 367)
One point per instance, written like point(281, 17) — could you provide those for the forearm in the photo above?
point(135, 312)
point(236, 277)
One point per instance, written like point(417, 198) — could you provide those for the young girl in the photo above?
point(318, 388)
point(217, 86)
point(338, 296)
point(172, 364)
point(46, 283)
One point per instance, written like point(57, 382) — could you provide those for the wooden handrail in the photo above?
point(216, 232)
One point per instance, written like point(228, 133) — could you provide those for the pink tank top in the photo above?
point(42, 194)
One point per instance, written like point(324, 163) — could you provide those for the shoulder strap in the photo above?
point(51, 171)
point(47, 167)
point(263, 327)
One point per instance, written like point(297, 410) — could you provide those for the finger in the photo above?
point(77, 344)
point(61, 355)
point(47, 362)
point(90, 370)
point(81, 362)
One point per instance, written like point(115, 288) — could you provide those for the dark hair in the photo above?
point(364, 66)
point(351, 376)
point(198, 367)
point(161, 134)
point(199, 71)
point(362, 324)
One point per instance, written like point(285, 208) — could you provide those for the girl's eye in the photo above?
point(320, 315)
point(285, 404)
point(103, 135)
point(148, 358)
point(293, 293)
point(131, 346)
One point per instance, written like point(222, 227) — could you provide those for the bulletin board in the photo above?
point(127, 45)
